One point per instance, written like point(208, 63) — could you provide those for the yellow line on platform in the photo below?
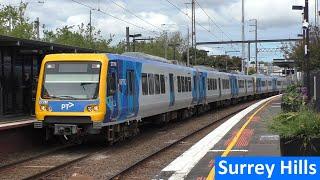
point(236, 138)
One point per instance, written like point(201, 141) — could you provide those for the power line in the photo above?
point(103, 12)
point(211, 18)
point(179, 9)
point(126, 9)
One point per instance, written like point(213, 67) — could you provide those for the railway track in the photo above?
point(44, 164)
point(163, 149)
point(53, 164)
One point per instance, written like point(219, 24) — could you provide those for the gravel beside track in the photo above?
point(32, 167)
point(116, 159)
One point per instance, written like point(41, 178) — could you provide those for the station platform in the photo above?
point(15, 122)
point(244, 134)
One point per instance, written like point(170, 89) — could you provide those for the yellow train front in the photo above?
point(69, 94)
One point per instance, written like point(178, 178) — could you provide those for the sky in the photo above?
point(217, 20)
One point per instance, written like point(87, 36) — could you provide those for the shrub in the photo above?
point(304, 123)
point(292, 99)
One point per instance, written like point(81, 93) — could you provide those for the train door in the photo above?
point(234, 86)
point(202, 88)
point(246, 86)
point(219, 85)
point(171, 93)
point(195, 88)
point(112, 91)
point(130, 92)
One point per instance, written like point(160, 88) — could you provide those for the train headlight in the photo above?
point(96, 108)
point(89, 108)
point(43, 107)
point(92, 108)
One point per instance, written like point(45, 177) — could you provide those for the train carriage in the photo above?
point(110, 94)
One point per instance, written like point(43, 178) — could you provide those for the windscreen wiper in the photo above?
point(66, 97)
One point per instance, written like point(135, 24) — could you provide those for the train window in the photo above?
point(157, 83)
point(249, 83)
point(269, 83)
point(208, 84)
point(185, 84)
point(215, 86)
point(278, 83)
point(183, 87)
point(189, 84)
point(179, 84)
point(163, 84)
point(151, 84)
point(144, 84)
point(225, 84)
point(112, 84)
point(241, 83)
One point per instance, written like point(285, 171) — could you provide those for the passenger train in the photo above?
point(111, 94)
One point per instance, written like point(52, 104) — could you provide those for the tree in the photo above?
point(14, 23)
point(80, 37)
point(296, 51)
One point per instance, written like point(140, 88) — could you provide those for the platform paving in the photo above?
point(255, 140)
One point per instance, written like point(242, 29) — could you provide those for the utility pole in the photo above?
point(256, 42)
point(316, 13)
point(243, 38)
point(90, 26)
point(127, 48)
point(188, 50)
point(37, 26)
point(306, 45)
point(194, 40)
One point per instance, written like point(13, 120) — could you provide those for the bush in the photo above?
point(299, 132)
point(303, 124)
point(292, 99)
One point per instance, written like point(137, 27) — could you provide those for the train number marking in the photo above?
point(67, 106)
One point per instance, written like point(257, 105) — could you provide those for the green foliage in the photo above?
point(251, 71)
point(14, 23)
point(80, 37)
point(303, 124)
point(291, 99)
point(296, 51)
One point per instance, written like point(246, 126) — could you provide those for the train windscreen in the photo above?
point(71, 80)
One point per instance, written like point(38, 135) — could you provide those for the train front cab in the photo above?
point(70, 93)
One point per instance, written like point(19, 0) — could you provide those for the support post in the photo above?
point(127, 48)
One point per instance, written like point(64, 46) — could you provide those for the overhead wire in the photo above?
point(129, 11)
point(212, 20)
point(115, 17)
point(179, 9)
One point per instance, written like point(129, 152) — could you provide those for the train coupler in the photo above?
point(65, 129)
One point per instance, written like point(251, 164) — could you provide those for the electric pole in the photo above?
point(256, 42)
point(127, 48)
point(306, 45)
point(243, 38)
point(90, 26)
point(194, 41)
point(37, 27)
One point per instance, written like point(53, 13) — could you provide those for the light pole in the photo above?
point(188, 40)
point(306, 34)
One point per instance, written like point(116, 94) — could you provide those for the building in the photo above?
point(20, 60)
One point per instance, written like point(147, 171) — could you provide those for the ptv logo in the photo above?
point(67, 106)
